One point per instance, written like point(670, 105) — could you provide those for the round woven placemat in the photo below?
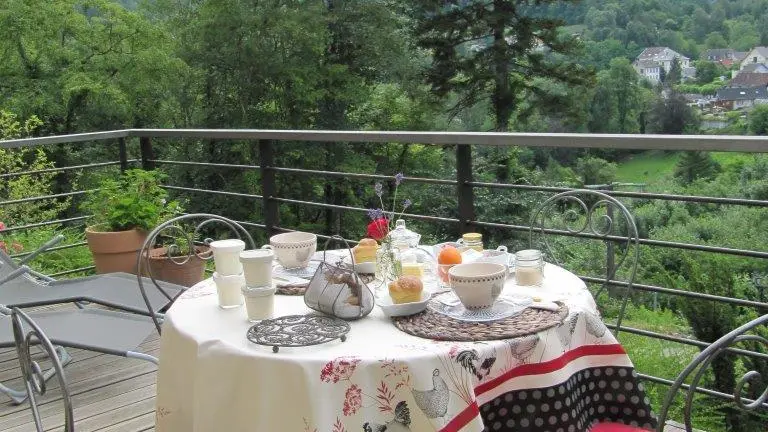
point(434, 325)
point(292, 290)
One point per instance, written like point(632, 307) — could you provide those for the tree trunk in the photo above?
point(502, 98)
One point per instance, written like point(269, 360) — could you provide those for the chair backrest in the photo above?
point(189, 228)
point(26, 334)
point(691, 376)
point(602, 219)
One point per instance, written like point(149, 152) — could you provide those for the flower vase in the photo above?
point(388, 266)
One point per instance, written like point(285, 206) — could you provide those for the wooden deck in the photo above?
point(109, 393)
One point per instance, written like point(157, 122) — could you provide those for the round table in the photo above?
point(212, 378)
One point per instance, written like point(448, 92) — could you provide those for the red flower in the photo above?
point(353, 400)
point(378, 229)
point(2, 225)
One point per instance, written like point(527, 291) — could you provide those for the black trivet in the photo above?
point(297, 331)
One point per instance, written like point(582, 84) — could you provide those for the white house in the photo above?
point(649, 63)
point(758, 55)
point(742, 97)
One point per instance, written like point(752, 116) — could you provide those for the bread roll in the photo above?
point(406, 289)
point(365, 251)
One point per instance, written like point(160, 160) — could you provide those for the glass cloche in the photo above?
point(403, 238)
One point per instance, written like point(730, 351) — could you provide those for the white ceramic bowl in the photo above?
point(477, 285)
point(391, 309)
point(293, 249)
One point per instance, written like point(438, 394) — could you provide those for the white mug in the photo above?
point(293, 249)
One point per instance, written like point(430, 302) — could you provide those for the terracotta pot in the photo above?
point(115, 251)
point(187, 274)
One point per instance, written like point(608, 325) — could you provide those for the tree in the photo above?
point(758, 120)
point(493, 50)
point(672, 115)
point(707, 71)
point(674, 74)
point(595, 171)
point(695, 165)
point(715, 40)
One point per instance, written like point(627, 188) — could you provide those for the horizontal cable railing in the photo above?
point(271, 140)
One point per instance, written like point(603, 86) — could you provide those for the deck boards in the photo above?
point(109, 393)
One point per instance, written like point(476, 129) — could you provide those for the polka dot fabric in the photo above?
point(589, 397)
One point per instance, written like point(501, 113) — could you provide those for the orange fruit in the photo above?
point(449, 255)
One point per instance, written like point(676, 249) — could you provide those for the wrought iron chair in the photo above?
point(31, 373)
point(175, 228)
point(690, 378)
point(597, 216)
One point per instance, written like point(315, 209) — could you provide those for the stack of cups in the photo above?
point(258, 290)
point(229, 272)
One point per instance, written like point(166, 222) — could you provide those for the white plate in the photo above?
point(393, 310)
point(304, 272)
point(505, 307)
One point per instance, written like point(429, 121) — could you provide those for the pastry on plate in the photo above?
point(365, 251)
point(406, 289)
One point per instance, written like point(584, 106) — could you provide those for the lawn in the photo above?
point(647, 167)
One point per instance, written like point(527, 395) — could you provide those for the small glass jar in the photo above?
point(403, 238)
point(259, 302)
point(473, 241)
point(529, 268)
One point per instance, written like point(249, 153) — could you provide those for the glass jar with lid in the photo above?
point(402, 238)
point(473, 241)
point(529, 267)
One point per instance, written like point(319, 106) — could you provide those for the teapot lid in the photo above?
point(402, 235)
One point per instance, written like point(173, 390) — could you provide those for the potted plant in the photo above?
point(124, 210)
point(179, 259)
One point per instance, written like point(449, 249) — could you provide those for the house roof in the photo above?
point(718, 54)
point(659, 54)
point(755, 68)
point(762, 50)
point(742, 93)
point(749, 79)
point(739, 56)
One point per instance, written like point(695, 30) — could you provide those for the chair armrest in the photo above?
point(14, 274)
point(47, 245)
point(39, 275)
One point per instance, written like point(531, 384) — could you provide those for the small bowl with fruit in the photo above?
point(406, 297)
point(447, 257)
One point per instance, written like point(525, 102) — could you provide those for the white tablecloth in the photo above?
point(211, 378)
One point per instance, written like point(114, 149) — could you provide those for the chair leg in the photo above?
point(19, 396)
point(142, 356)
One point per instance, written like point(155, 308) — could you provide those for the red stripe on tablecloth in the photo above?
point(550, 366)
point(463, 418)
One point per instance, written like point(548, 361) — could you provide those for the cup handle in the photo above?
point(460, 241)
point(267, 247)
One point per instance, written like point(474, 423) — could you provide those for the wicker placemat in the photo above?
point(434, 325)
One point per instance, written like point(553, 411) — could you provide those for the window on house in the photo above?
point(754, 59)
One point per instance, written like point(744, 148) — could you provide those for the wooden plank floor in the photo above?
point(109, 393)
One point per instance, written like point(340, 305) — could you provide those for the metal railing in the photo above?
point(464, 184)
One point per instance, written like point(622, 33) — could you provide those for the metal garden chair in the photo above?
point(27, 333)
point(603, 219)
point(22, 287)
point(176, 228)
point(690, 379)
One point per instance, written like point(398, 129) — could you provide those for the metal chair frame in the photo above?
point(593, 226)
point(33, 376)
point(696, 369)
point(175, 225)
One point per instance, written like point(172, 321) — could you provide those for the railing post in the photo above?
point(123, 154)
point(147, 155)
point(268, 185)
point(465, 190)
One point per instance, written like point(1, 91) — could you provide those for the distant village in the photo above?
point(744, 86)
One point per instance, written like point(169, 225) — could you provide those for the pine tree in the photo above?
point(494, 49)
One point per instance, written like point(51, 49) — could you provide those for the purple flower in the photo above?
point(379, 189)
point(407, 203)
point(372, 214)
point(399, 178)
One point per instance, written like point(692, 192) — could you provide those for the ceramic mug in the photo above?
point(497, 256)
point(477, 285)
point(293, 249)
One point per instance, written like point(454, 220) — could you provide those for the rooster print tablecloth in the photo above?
point(560, 380)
